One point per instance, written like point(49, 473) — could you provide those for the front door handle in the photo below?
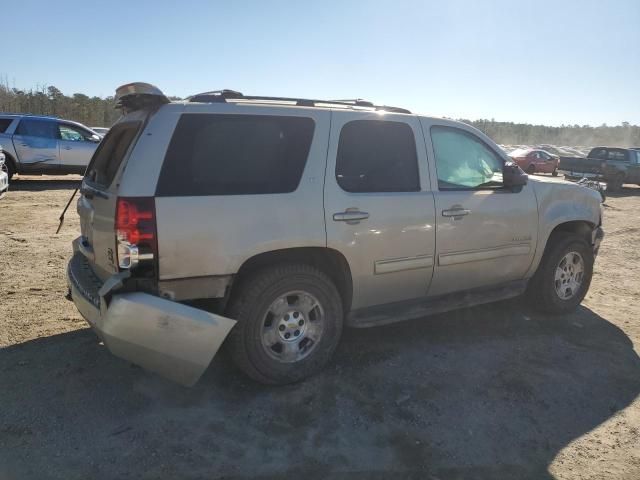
point(351, 216)
point(67, 147)
point(456, 212)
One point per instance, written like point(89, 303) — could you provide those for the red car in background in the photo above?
point(534, 160)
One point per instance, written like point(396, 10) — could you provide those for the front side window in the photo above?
point(67, 132)
point(463, 161)
point(218, 154)
point(377, 156)
point(37, 128)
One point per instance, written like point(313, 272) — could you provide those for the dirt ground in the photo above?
point(489, 392)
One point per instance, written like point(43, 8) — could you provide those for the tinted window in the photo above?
point(4, 124)
point(38, 128)
point(235, 155)
point(463, 161)
point(377, 156)
point(617, 155)
point(110, 153)
point(600, 153)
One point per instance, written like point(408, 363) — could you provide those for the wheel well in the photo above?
point(9, 159)
point(580, 227)
point(331, 262)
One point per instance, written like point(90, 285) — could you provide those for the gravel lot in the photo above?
point(489, 392)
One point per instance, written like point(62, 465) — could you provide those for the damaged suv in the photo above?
point(270, 223)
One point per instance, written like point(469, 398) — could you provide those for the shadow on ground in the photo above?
point(37, 184)
point(488, 392)
point(626, 191)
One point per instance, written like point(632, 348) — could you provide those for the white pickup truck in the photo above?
point(37, 145)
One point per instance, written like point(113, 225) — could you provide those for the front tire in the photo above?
point(290, 320)
point(563, 276)
point(531, 169)
point(615, 184)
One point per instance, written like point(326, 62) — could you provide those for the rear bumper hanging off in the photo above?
point(166, 337)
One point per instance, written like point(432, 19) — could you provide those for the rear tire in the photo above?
point(8, 168)
point(290, 320)
point(555, 173)
point(615, 184)
point(558, 286)
point(531, 169)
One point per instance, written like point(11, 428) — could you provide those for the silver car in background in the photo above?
point(102, 131)
point(37, 145)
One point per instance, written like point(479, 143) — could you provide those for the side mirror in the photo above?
point(513, 177)
point(95, 138)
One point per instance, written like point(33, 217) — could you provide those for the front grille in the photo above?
point(83, 278)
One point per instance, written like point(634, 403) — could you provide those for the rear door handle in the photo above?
point(455, 212)
point(67, 147)
point(350, 215)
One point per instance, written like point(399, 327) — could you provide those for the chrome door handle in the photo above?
point(456, 212)
point(67, 147)
point(350, 216)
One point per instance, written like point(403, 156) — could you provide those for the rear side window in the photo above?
point(218, 154)
point(617, 155)
point(377, 156)
point(4, 124)
point(109, 155)
point(38, 128)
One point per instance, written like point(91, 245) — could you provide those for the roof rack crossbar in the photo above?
point(221, 96)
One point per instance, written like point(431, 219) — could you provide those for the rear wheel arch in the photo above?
point(329, 261)
point(11, 164)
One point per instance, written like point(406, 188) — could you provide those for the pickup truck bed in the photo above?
point(581, 166)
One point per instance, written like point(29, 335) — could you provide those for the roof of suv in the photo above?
point(19, 115)
point(132, 96)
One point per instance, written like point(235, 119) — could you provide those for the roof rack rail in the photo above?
point(221, 96)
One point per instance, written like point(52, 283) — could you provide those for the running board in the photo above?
point(422, 307)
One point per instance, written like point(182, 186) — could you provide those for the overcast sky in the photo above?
point(549, 62)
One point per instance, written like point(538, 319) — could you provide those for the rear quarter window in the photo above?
point(225, 154)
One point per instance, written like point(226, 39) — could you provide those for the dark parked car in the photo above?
point(616, 166)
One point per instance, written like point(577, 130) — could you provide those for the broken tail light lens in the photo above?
point(136, 233)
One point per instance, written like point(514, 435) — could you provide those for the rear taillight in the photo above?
point(136, 234)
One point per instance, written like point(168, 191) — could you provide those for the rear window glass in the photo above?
point(109, 155)
point(377, 156)
point(217, 154)
point(4, 124)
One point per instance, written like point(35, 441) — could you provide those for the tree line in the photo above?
point(509, 133)
point(100, 112)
